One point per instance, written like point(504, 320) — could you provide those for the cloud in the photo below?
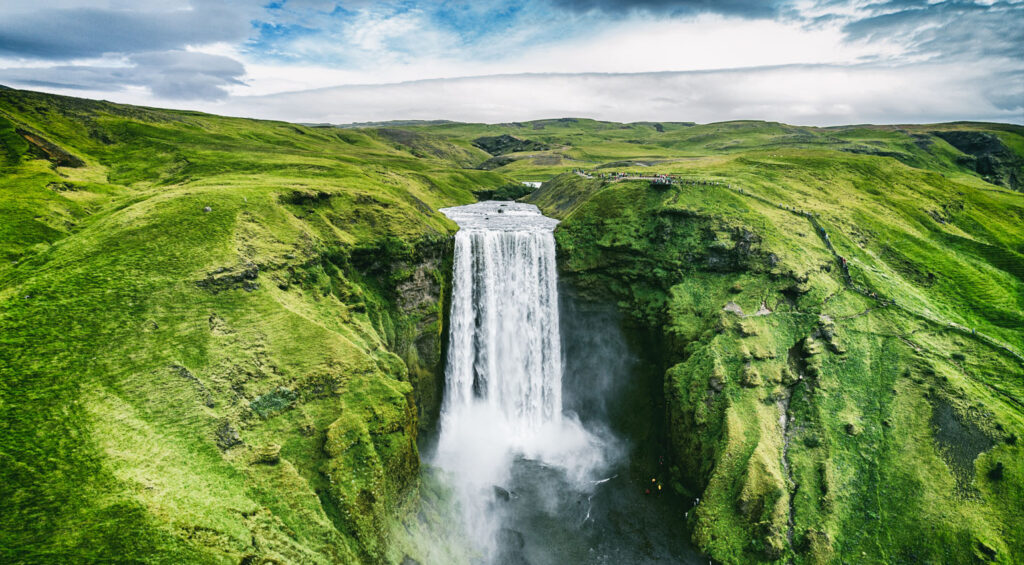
point(145, 52)
point(952, 28)
point(797, 94)
point(75, 31)
point(369, 34)
point(172, 75)
point(741, 8)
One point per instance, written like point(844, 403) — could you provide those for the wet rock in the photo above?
point(422, 289)
point(503, 494)
point(406, 560)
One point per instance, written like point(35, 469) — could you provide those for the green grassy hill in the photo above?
point(821, 417)
point(214, 334)
point(219, 338)
point(843, 314)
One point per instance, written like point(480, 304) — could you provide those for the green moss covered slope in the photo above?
point(215, 334)
point(220, 338)
point(822, 411)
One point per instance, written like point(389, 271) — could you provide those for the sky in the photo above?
point(806, 62)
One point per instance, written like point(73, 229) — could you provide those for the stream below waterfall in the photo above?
point(550, 427)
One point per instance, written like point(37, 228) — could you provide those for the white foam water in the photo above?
point(503, 395)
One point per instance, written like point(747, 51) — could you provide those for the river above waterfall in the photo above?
point(528, 436)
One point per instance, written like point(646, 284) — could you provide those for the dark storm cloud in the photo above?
point(741, 8)
point(176, 75)
point(81, 32)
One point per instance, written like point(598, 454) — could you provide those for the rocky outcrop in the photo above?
point(988, 156)
point(501, 144)
point(51, 151)
point(227, 278)
point(423, 299)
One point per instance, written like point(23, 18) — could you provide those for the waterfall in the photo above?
point(504, 347)
point(503, 379)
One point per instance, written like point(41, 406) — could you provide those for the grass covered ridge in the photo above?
point(219, 337)
point(816, 421)
point(214, 334)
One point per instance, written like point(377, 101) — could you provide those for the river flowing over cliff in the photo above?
point(533, 483)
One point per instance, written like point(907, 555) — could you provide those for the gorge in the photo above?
point(535, 485)
point(239, 341)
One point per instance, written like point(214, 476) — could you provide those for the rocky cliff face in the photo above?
point(987, 155)
point(423, 298)
point(801, 403)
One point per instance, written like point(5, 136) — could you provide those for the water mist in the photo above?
point(503, 395)
point(535, 485)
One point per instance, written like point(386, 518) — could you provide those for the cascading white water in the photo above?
point(503, 396)
point(505, 349)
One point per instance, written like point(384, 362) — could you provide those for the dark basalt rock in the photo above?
point(988, 156)
point(502, 494)
point(501, 144)
point(227, 436)
point(495, 162)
